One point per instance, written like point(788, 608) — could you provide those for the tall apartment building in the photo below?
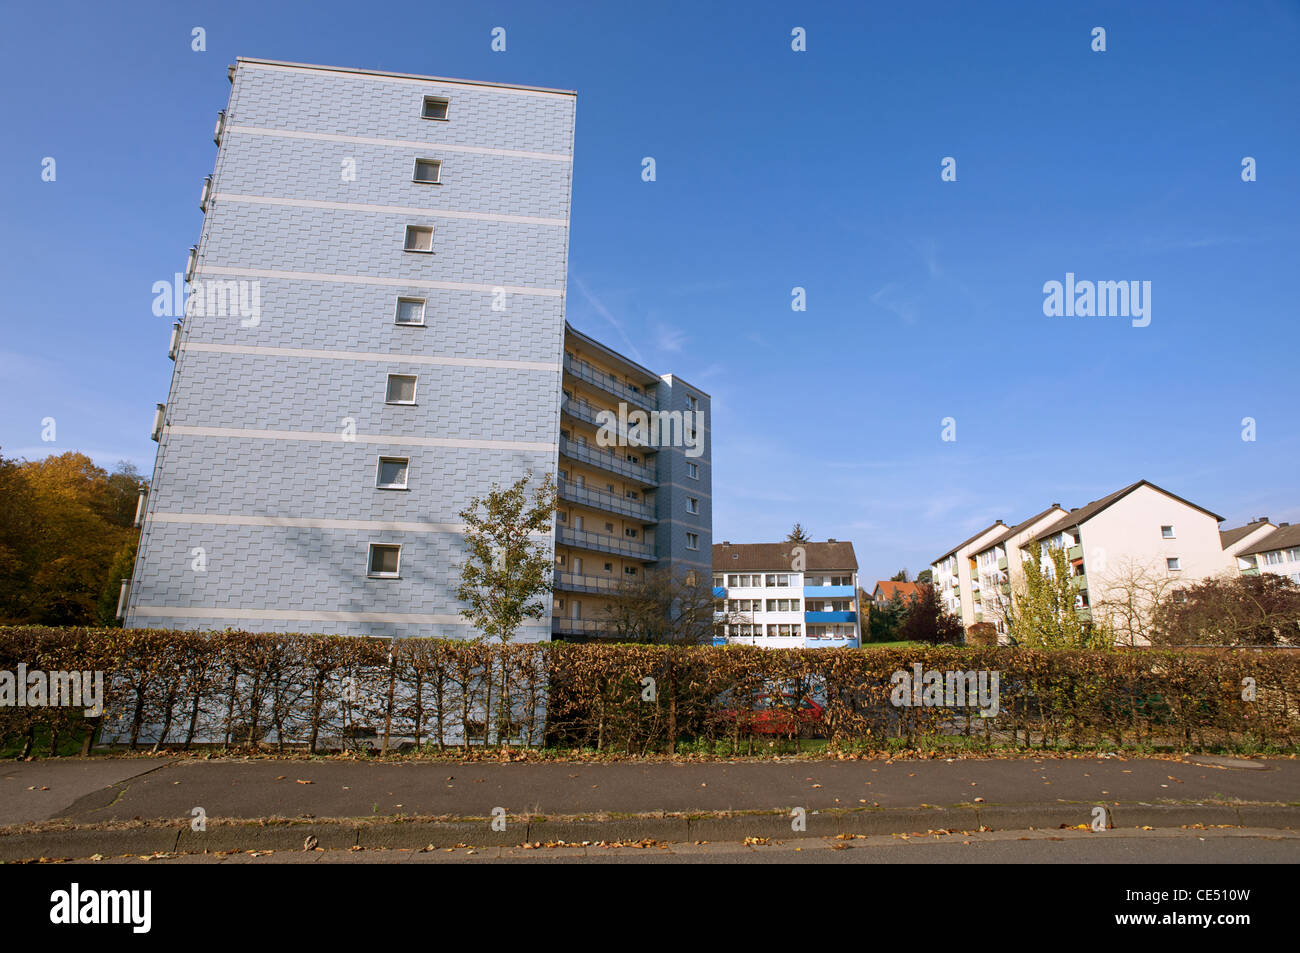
point(630, 502)
point(375, 334)
point(776, 598)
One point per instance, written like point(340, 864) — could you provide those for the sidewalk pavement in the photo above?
point(113, 806)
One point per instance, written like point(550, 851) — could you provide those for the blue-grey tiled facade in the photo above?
point(264, 502)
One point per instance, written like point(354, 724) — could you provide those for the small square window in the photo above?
point(609, 567)
point(692, 505)
point(1180, 595)
point(435, 107)
point(1167, 532)
point(392, 473)
point(384, 560)
point(427, 172)
point(1172, 563)
point(419, 238)
point(401, 389)
point(692, 541)
point(410, 311)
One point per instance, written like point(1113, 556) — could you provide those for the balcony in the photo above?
point(607, 459)
point(1080, 581)
point(608, 383)
point(1002, 563)
point(601, 500)
point(1084, 614)
point(828, 592)
point(1074, 552)
point(571, 582)
point(815, 617)
point(561, 626)
point(719, 592)
point(604, 543)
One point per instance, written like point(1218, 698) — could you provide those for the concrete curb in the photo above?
point(341, 835)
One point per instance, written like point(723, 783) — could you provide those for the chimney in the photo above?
point(830, 540)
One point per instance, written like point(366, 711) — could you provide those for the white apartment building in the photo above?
point(953, 573)
point(997, 570)
point(775, 597)
point(1267, 548)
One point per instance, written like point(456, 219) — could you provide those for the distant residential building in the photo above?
point(1275, 550)
point(953, 573)
point(889, 589)
point(774, 599)
point(1141, 538)
point(997, 569)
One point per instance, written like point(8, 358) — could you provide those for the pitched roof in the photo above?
point(1084, 513)
point(1229, 536)
point(997, 540)
point(1284, 537)
point(776, 557)
point(967, 542)
point(903, 590)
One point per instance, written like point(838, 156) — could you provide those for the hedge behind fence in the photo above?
point(173, 689)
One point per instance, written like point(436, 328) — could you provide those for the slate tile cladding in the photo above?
point(311, 195)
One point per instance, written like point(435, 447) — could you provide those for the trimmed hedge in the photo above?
point(258, 691)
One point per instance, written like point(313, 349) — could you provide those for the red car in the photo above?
point(784, 714)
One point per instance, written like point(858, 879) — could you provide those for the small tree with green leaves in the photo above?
point(798, 534)
point(507, 572)
point(1043, 616)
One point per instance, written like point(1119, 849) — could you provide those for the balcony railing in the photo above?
point(1079, 582)
point(819, 592)
point(602, 500)
point(608, 383)
point(604, 543)
point(561, 626)
point(607, 459)
point(572, 582)
point(1074, 552)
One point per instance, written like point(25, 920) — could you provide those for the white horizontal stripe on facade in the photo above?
point(379, 356)
point(368, 280)
point(399, 143)
point(391, 209)
point(289, 615)
point(270, 65)
point(393, 526)
point(334, 437)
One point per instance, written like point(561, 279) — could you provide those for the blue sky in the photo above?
point(775, 169)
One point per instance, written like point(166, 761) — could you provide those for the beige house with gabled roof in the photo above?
point(1135, 545)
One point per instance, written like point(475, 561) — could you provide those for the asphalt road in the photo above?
point(98, 790)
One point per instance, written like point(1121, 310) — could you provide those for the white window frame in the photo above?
point(408, 299)
point(693, 541)
point(1168, 535)
point(415, 169)
point(1173, 564)
point(388, 387)
point(693, 471)
point(406, 239)
point(370, 561)
point(692, 504)
point(406, 473)
point(442, 100)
